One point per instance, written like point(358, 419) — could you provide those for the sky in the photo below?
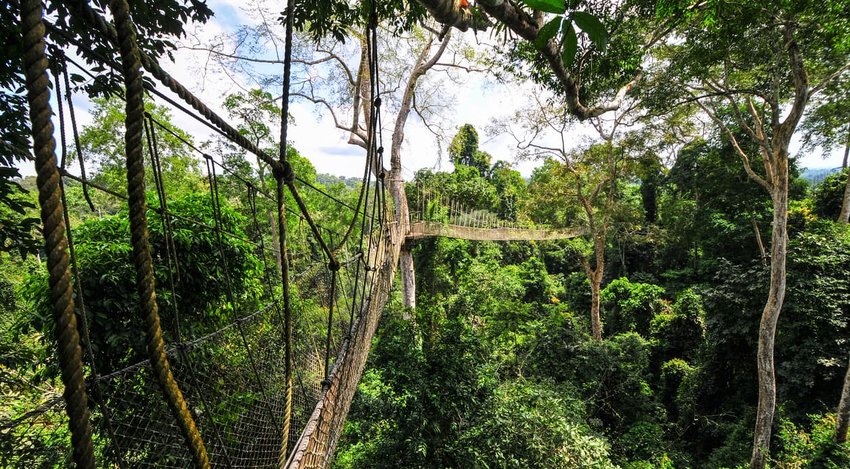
point(313, 132)
point(475, 99)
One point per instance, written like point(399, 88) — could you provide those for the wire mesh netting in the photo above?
point(226, 340)
point(232, 378)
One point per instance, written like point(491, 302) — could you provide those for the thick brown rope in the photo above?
point(56, 245)
point(285, 176)
point(145, 281)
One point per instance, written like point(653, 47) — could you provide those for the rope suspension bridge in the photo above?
point(271, 382)
point(436, 213)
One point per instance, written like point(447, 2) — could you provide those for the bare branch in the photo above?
point(744, 157)
point(356, 137)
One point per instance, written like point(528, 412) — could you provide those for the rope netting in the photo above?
point(435, 212)
point(276, 369)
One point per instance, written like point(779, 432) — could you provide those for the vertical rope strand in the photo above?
point(145, 280)
point(56, 246)
point(77, 146)
point(281, 216)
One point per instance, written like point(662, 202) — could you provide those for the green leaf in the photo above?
point(593, 27)
point(549, 6)
point(547, 32)
point(569, 44)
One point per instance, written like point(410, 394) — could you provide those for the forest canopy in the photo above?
point(670, 289)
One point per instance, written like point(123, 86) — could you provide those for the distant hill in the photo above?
point(816, 175)
point(330, 179)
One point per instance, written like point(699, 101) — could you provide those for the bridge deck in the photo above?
point(426, 229)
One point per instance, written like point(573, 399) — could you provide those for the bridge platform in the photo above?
point(427, 229)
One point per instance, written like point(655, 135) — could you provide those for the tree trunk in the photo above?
point(261, 172)
point(770, 316)
point(595, 276)
point(843, 411)
point(395, 182)
point(408, 279)
point(595, 310)
point(844, 215)
point(275, 241)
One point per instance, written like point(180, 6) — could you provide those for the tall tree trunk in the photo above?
point(275, 241)
point(770, 316)
point(843, 411)
point(595, 276)
point(402, 214)
point(844, 215)
point(595, 309)
point(270, 214)
point(396, 184)
point(408, 278)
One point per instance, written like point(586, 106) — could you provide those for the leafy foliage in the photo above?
point(108, 280)
point(827, 196)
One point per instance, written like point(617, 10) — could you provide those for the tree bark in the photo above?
point(595, 309)
point(596, 285)
point(843, 423)
point(270, 215)
point(275, 241)
point(595, 276)
point(395, 181)
point(770, 315)
point(844, 215)
point(408, 278)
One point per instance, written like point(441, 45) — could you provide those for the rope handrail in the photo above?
point(146, 283)
point(58, 263)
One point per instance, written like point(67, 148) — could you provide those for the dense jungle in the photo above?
point(640, 260)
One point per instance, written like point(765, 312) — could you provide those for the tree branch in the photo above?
point(820, 86)
point(744, 157)
point(801, 86)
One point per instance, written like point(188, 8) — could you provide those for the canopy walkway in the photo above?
point(435, 213)
point(270, 383)
point(427, 229)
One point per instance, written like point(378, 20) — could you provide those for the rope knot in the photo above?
point(378, 102)
point(334, 265)
point(284, 172)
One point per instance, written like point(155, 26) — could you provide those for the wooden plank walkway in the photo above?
point(426, 229)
